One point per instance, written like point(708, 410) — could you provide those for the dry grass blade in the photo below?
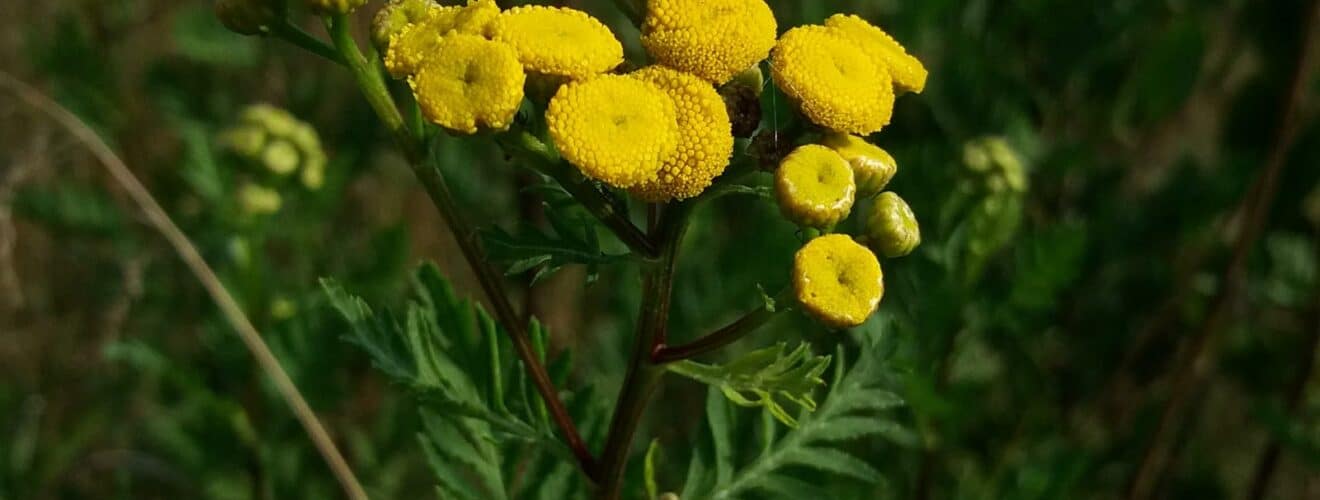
point(198, 266)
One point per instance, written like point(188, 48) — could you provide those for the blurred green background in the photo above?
point(1079, 169)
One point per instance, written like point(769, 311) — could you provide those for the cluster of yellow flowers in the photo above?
point(663, 132)
point(837, 278)
point(279, 145)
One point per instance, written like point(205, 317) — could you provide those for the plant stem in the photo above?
point(433, 180)
point(643, 376)
point(547, 162)
point(727, 335)
point(284, 30)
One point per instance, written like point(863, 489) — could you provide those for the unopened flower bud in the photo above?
point(331, 7)
point(394, 17)
point(246, 17)
point(814, 186)
point(873, 167)
point(254, 199)
point(280, 157)
point(891, 227)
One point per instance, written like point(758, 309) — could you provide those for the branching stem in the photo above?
point(492, 281)
point(644, 375)
point(727, 335)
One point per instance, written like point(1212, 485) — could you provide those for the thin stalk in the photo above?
point(188, 253)
point(727, 335)
point(643, 376)
point(491, 280)
point(287, 31)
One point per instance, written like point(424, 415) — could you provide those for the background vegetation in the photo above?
point(1142, 317)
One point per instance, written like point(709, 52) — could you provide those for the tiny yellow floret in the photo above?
point(832, 80)
point(476, 83)
point(705, 140)
point(837, 280)
point(713, 39)
point(907, 72)
point(873, 167)
point(558, 41)
point(412, 44)
point(814, 186)
point(615, 129)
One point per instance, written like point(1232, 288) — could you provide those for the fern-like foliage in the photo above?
point(853, 409)
point(447, 352)
point(763, 377)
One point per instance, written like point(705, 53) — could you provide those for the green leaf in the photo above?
point(648, 469)
point(768, 378)
point(849, 412)
point(446, 352)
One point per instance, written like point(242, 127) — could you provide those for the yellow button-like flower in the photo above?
point(476, 82)
point(832, 80)
point(705, 139)
point(891, 227)
point(412, 44)
point(558, 41)
point(873, 167)
point(814, 186)
point(615, 129)
point(713, 39)
point(908, 73)
point(837, 280)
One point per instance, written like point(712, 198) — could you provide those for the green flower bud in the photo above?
point(815, 187)
point(246, 17)
point(313, 172)
point(332, 7)
point(872, 167)
point(283, 308)
point(280, 157)
point(255, 199)
point(891, 227)
point(244, 140)
point(394, 17)
point(750, 79)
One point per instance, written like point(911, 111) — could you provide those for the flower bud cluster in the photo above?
point(277, 148)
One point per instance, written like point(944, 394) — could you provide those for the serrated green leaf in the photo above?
point(767, 378)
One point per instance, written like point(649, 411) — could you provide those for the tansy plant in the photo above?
point(669, 131)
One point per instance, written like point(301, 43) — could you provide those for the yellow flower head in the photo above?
point(558, 41)
point(814, 186)
point(335, 6)
point(616, 129)
point(906, 71)
point(477, 82)
point(872, 167)
point(832, 80)
point(837, 280)
point(412, 44)
point(705, 139)
point(713, 39)
point(891, 227)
